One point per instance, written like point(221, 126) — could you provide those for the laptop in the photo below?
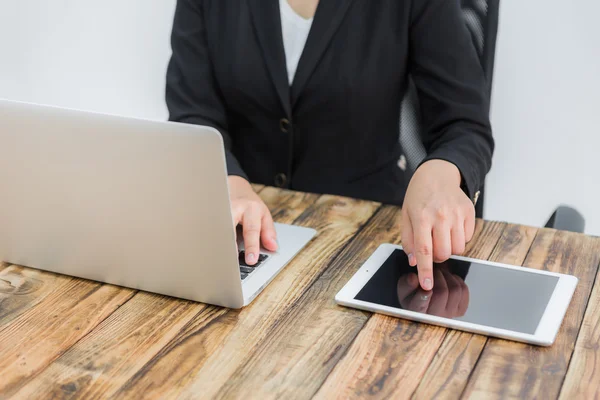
point(136, 203)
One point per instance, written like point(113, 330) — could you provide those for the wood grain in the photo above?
point(62, 337)
point(485, 240)
point(326, 329)
point(96, 365)
point(514, 370)
point(286, 205)
point(170, 370)
point(228, 341)
point(37, 337)
point(99, 365)
point(448, 373)
point(390, 355)
point(21, 289)
point(583, 377)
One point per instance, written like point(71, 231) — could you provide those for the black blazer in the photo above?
point(335, 130)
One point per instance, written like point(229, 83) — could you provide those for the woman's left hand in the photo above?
point(438, 219)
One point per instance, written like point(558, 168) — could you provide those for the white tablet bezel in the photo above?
point(544, 335)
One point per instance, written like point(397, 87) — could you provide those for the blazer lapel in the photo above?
point(329, 16)
point(267, 24)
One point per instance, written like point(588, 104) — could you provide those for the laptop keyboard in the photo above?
point(245, 269)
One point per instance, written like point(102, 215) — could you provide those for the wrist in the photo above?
point(443, 170)
point(238, 184)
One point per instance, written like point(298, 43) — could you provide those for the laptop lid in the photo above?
point(136, 203)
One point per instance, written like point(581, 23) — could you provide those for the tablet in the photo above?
point(483, 297)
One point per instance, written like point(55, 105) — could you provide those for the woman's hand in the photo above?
point(438, 219)
point(257, 224)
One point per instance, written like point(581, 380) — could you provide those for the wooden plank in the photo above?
point(102, 362)
point(170, 370)
point(36, 338)
point(583, 376)
point(326, 329)
point(181, 369)
point(486, 238)
point(508, 369)
point(23, 288)
point(390, 355)
point(286, 205)
point(117, 348)
point(448, 373)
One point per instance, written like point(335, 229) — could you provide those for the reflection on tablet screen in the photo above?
point(471, 292)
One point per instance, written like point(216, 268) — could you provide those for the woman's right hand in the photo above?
point(251, 212)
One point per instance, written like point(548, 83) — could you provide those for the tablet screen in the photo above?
point(470, 292)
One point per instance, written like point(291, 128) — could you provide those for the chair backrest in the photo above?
point(481, 17)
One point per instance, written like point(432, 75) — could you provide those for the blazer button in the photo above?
point(284, 125)
point(280, 180)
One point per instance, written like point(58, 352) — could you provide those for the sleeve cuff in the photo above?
point(233, 166)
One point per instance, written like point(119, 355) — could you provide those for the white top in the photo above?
point(295, 31)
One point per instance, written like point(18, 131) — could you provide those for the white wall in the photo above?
point(111, 56)
point(546, 111)
point(107, 56)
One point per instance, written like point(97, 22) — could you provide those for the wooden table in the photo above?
point(62, 337)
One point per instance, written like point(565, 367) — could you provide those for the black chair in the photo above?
point(481, 17)
point(566, 218)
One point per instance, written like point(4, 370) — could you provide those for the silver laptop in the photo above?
point(136, 203)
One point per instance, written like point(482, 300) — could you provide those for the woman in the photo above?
point(307, 93)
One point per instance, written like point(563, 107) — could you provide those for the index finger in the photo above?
point(424, 253)
point(251, 226)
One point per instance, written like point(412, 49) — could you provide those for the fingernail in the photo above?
point(411, 259)
point(427, 284)
point(251, 257)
